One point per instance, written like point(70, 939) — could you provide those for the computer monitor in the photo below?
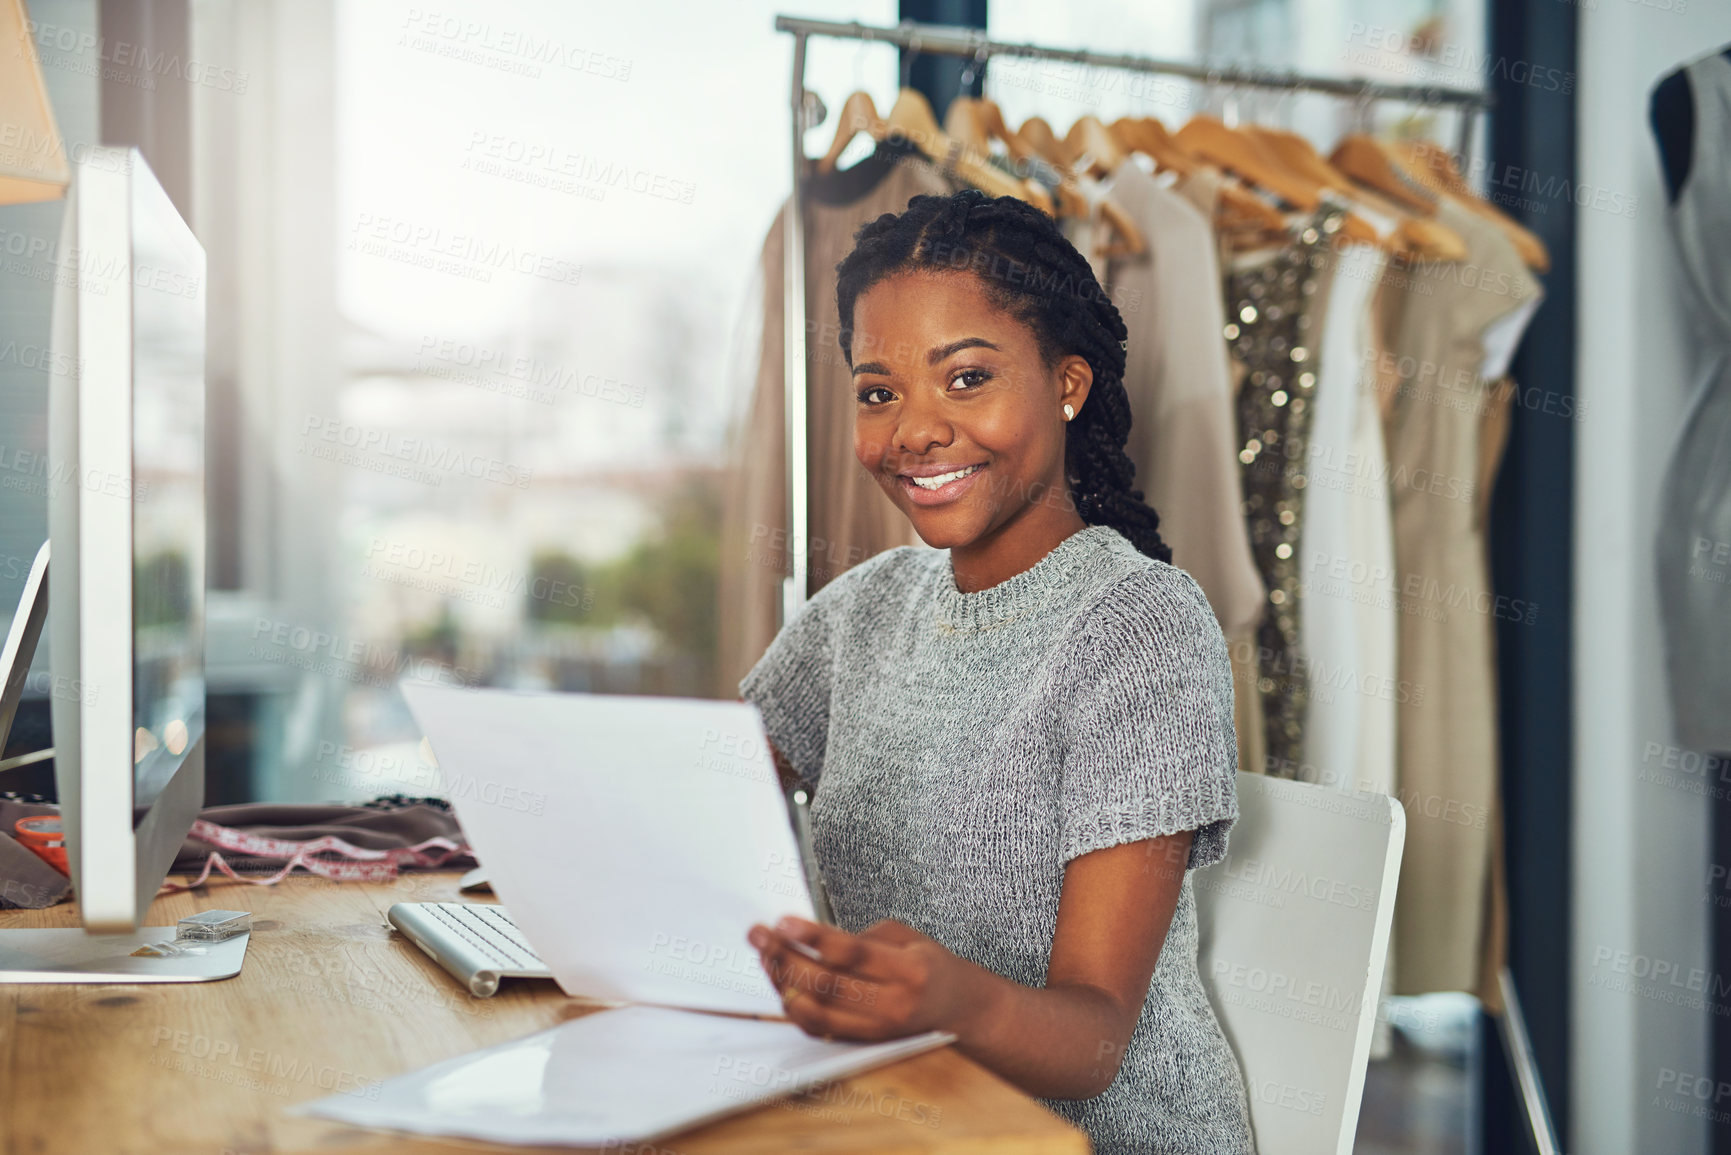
point(126, 558)
point(126, 532)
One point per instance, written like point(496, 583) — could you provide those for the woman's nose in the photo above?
point(922, 426)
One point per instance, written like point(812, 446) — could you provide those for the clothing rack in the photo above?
point(945, 40)
point(974, 43)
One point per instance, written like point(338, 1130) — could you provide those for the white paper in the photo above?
point(624, 1076)
point(634, 840)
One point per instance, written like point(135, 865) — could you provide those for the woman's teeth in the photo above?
point(942, 479)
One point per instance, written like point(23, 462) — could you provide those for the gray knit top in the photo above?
point(962, 748)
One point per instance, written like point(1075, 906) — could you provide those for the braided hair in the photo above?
point(1029, 270)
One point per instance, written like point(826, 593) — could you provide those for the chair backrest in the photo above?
point(1294, 932)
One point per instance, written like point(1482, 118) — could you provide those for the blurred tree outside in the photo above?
point(436, 640)
point(665, 582)
point(162, 589)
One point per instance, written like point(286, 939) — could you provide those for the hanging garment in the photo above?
point(1694, 538)
point(1183, 438)
point(1272, 314)
point(1089, 233)
point(1436, 325)
point(850, 517)
point(1372, 530)
point(1493, 439)
point(1202, 189)
point(1347, 613)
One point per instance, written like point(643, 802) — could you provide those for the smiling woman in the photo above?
point(970, 305)
point(1021, 743)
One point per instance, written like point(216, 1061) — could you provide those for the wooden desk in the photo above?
point(331, 999)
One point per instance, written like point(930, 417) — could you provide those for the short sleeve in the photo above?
point(790, 685)
point(1150, 748)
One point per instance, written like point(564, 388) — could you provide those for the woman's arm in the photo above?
point(1061, 1041)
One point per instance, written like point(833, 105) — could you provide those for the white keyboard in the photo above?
point(477, 942)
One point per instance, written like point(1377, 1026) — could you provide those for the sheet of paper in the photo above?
point(631, 1075)
point(634, 840)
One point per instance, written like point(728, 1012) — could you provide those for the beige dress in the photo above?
point(1183, 438)
point(1202, 189)
point(1437, 417)
point(850, 517)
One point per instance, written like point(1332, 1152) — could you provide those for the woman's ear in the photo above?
point(1075, 378)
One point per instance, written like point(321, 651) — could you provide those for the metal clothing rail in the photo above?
point(944, 40)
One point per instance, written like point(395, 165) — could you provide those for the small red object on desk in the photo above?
point(43, 836)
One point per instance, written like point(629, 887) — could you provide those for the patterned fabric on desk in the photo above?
point(390, 823)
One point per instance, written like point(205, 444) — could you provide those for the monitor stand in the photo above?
point(70, 955)
point(18, 649)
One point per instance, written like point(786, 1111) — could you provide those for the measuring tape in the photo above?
point(361, 865)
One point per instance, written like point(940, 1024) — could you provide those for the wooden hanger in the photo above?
point(1038, 135)
point(1298, 154)
point(965, 122)
point(911, 119)
point(1433, 166)
point(978, 122)
point(1305, 167)
point(1363, 159)
point(1150, 137)
point(973, 124)
point(858, 114)
point(1147, 135)
point(1089, 139)
point(982, 122)
point(1416, 236)
point(1301, 157)
point(1374, 172)
point(1243, 155)
point(992, 117)
point(1285, 164)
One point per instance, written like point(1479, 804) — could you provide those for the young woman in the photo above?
point(1017, 747)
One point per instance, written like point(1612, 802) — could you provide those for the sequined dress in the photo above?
point(1271, 323)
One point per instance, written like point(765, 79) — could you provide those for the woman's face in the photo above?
point(958, 417)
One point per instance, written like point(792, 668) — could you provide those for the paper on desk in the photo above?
point(634, 840)
point(631, 1075)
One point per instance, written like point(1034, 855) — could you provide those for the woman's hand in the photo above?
point(1063, 1040)
point(884, 983)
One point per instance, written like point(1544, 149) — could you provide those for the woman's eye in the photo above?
point(875, 395)
point(971, 378)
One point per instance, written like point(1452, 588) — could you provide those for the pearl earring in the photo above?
point(1069, 413)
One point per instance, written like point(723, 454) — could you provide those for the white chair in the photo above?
point(1294, 932)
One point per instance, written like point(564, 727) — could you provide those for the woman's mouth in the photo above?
point(939, 488)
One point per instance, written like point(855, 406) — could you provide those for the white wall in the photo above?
point(1641, 851)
